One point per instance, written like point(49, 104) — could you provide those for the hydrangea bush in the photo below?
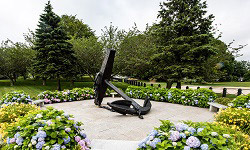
point(192, 135)
point(189, 97)
point(48, 129)
point(75, 94)
point(242, 101)
point(235, 116)
point(15, 96)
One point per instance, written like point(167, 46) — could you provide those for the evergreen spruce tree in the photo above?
point(55, 58)
point(183, 37)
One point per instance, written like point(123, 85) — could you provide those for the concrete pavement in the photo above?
point(106, 125)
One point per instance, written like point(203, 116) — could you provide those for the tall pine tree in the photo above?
point(55, 58)
point(183, 38)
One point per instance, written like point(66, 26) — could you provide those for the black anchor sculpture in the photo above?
point(126, 106)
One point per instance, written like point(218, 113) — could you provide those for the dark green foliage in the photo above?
point(89, 54)
point(15, 59)
point(75, 28)
point(55, 57)
point(183, 37)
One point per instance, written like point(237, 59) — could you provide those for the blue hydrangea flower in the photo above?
point(34, 137)
point(193, 142)
point(8, 140)
point(39, 145)
point(41, 134)
point(183, 135)
point(56, 147)
point(66, 140)
point(186, 148)
point(17, 135)
point(174, 136)
point(199, 130)
point(191, 130)
point(152, 144)
point(83, 134)
point(204, 147)
point(67, 129)
point(181, 126)
point(40, 139)
point(19, 141)
point(142, 144)
point(153, 133)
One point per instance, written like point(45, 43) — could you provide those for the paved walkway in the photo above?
point(103, 124)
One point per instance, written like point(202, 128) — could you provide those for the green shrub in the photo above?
point(9, 114)
point(235, 116)
point(193, 135)
point(242, 101)
point(223, 100)
point(46, 129)
point(16, 96)
point(188, 97)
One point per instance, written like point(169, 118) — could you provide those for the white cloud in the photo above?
point(18, 15)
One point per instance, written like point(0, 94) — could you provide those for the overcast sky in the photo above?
point(16, 16)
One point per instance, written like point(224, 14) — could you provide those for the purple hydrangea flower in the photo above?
point(174, 136)
point(12, 140)
point(204, 147)
point(63, 147)
point(40, 139)
point(87, 141)
point(81, 143)
point(181, 126)
point(67, 129)
point(186, 148)
point(193, 142)
point(77, 138)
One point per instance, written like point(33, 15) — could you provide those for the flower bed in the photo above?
point(242, 101)
point(235, 116)
point(75, 94)
point(48, 129)
point(191, 135)
point(189, 97)
point(9, 114)
point(224, 101)
point(16, 96)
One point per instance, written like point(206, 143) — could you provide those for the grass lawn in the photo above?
point(222, 84)
point(33, 88)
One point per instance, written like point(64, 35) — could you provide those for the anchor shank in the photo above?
point(123, 95)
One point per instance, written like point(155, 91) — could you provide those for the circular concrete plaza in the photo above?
point(101, 123)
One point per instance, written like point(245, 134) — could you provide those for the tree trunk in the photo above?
point(24, 77)
point(44, 82)
point(72, 83)
point(59, 85)
point(12, 82)
point(178, 85)
point(169, 84)
point(14, 75)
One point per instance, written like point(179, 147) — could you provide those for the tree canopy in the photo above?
point(55, 57)
point(183, 40)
